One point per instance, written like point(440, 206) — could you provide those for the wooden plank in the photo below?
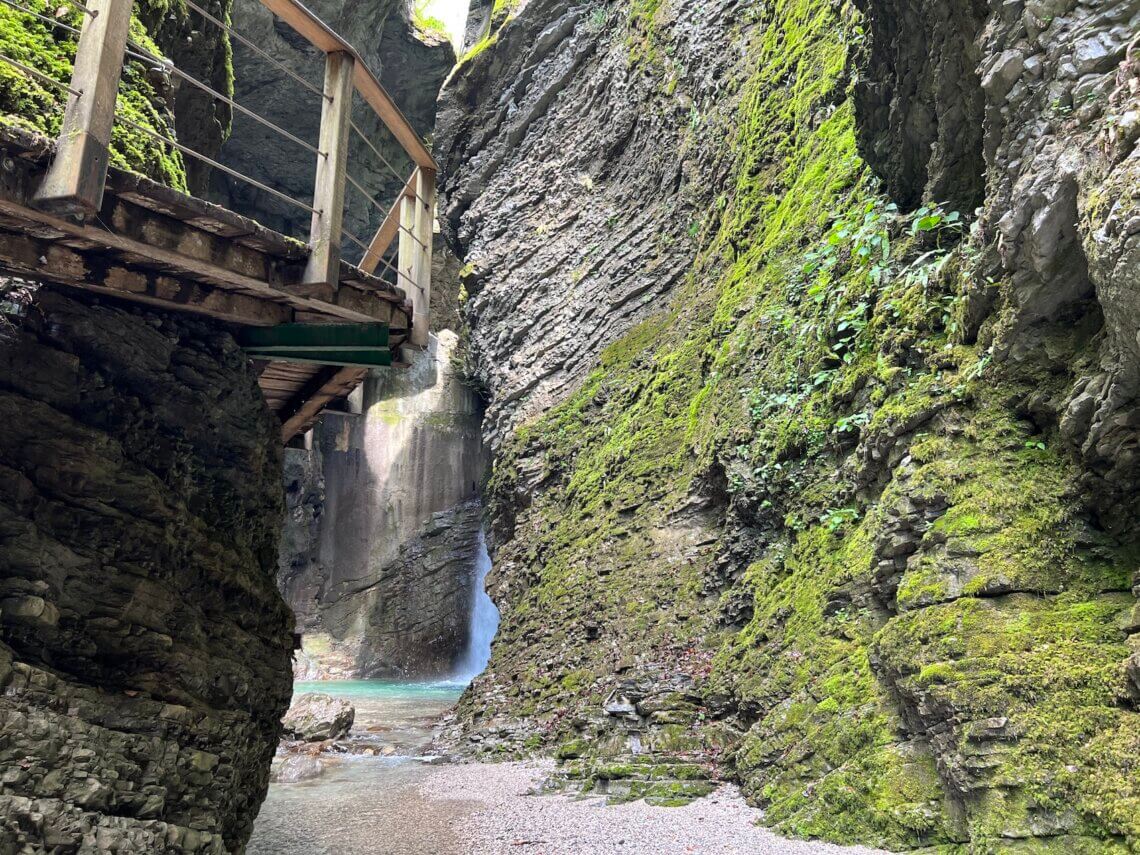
point(387, 231)
point(169, 246)
point(323, 268)
point(42, 259)
point(321, 36)
point(324, 387)
point(75, 181)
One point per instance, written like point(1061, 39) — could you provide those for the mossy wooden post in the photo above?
point(74, 182)
point(417, 220)
point(322, 275)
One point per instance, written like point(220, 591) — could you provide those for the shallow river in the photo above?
point(365, 805)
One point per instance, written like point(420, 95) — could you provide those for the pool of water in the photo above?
point(440, 690)
point(362, 800)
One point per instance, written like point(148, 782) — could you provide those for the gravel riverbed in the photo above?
point(500, 815)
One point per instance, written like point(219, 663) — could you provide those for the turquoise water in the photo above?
point(362, 799)
point(441, 690)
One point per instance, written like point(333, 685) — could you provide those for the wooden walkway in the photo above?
point(313, 324)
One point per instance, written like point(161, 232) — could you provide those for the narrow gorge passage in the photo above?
point(463, 427)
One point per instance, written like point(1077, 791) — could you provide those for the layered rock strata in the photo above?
point(810, 353)
point(144, 649)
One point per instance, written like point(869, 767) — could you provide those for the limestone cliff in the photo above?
point(144, 649)
point(809, 334)
point(384, 524)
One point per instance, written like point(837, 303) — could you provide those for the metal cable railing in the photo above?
point(139, 53)
point(215, 164)
point(381, 260)
point(51, 22)
point(376, 204)
point(280, 66)
point(40, 76)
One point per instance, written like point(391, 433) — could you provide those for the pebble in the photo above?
point(504, 816)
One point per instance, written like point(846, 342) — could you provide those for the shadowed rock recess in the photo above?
point(144, 649)
point(809, 329)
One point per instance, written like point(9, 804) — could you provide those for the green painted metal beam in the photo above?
point(329, 337)
point(361, 345)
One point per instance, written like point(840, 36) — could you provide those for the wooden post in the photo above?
point(418, 221)
point(323, 270)
point(74, 182)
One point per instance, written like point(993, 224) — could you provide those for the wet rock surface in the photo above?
point(314, 717)
point(384, 524)
point(144, 649)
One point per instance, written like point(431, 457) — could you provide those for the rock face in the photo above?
point(410, 63)
point(381, 579)
point(809, 336)
point(144, 649)
point(315, 718)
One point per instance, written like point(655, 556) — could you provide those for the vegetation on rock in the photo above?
point(913, 617)
point(145, 93)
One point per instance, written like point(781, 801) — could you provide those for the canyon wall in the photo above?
point(809, 334)
point(384, 524)
point(410, 62)
point(144, 649)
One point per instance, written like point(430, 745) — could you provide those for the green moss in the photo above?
point(814, 329)
point(35, 105)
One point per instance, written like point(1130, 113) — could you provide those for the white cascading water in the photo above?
point(484, 621)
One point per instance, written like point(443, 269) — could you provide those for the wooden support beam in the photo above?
point(215, 271)
point(417, 219)
point(323, 268)
point(326, 385)
point(388, 231)
point(44, 260)
point(74, 182)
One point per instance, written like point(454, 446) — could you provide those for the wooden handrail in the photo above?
point(320, 35)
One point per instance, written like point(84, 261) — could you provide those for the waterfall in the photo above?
point(484, 620)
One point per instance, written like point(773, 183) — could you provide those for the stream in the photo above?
point(364, 804)
point(372, 804)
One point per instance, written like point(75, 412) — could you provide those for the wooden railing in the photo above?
point(76, 178)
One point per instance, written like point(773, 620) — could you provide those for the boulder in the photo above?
point(316, 717)
point(296, 768)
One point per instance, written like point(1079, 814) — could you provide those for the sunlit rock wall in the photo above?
point(383, 587)
point(808, 330)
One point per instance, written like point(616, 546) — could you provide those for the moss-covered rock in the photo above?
point(825, 481)
point(147, 97)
